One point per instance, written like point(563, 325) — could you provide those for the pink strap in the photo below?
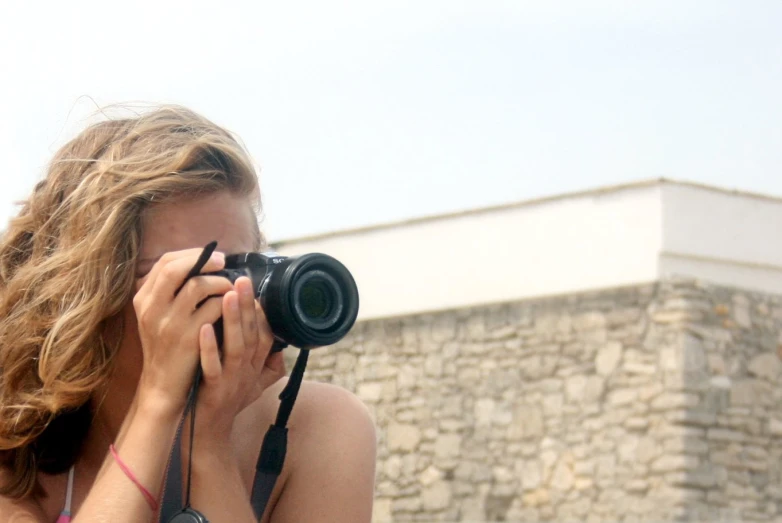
point(147, 495)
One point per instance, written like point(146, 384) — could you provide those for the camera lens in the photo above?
point(315, 300)
point(318, 299)
point(310, 300)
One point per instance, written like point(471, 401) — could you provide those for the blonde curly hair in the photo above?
point(67, 265)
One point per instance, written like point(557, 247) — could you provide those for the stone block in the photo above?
point(621, 397)
point(552, 404)
point(673, 317)
point(698, 479)
point(684, 445)
point(562, 478)
point(673, 400)
point(536, 498)
point(582, 484)
point(406, 504)
point(692, 417)
point(393, 466)
point(644, 369)
point(589, 321)
point(766, 366)
point(403, 437)
point(651, 391)
point(433, 365)
point(448, 445)
point(574, 387)
point(742, 316)
point(694, 356)
point(716, 434)
point(529, 472)
point(608, 358)
point(751, 392)
point(775, 426)
point(381, 510)
point(636, 423)
point(370, 392)
point(647, 450)
point(637, 486)
point(484, 411)
point(674, 462)
point(429, 476)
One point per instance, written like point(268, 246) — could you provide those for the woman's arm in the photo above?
point(143, 444)
point(169, 323)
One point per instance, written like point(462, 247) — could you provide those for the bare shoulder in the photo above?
point(18, 511)
point(331, 406)
point(329, 469)
point(12, 511)
point(321, 409)
point(334, 439)
point(331, 458)
point(319, 406)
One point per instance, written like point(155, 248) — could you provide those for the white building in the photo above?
point(604, 238)
point(611, 355)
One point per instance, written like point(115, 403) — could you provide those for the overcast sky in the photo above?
point(370, 111)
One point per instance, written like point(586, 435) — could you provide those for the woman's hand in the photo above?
point(247, 367)
point(169, 325)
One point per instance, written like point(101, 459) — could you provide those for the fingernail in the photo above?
point(218, 257)
point(233, 302)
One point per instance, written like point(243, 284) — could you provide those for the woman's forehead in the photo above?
point(192, 223)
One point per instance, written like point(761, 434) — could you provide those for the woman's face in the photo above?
point(175, 226)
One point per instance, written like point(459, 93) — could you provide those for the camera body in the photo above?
point(309, 300)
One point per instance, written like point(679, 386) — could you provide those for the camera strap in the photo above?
point(171, 503)
point(275, 444)
point(270, 459)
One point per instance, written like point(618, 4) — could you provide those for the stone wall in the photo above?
point(651, 403)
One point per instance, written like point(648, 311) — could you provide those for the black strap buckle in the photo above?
point(189, 515)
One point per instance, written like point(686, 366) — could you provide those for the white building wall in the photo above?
point(724, 237)
point(599, 239)
point(554, 246)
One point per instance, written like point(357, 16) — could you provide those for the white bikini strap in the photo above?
point(69, 491)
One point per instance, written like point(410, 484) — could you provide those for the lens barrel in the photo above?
point(310, 300)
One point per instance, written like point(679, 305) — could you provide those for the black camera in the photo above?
point(309, 300)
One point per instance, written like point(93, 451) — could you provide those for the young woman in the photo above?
point(98, 350)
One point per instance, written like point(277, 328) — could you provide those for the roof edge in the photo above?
point(596, 191)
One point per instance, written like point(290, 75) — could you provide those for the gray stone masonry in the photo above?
point(652, 403)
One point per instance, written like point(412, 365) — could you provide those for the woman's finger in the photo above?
point(249, 319)
point(198, 289)
point(276, 364)
point(233, 337)
point(209, 312)
point(210, 356)
point(170, 271)
point(265, 338)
